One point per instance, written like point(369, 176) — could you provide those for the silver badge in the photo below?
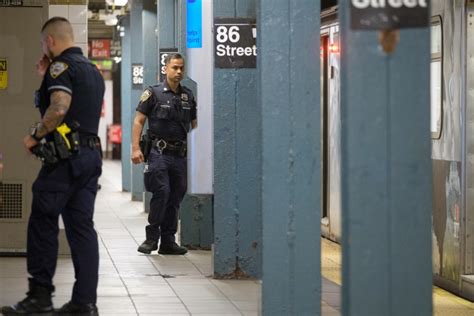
point(184, 96)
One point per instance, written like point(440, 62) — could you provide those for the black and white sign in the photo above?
point(389, 14)
point(137, 75)
point(235, 43)
point(164, 52)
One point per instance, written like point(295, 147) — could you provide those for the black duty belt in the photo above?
point(90, 141)
point(173, 147)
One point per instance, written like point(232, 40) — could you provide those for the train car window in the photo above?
point(436, 77)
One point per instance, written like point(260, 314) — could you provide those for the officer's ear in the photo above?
point(52, 40)
point(49, 41)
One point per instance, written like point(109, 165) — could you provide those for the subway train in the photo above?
point(452, 139)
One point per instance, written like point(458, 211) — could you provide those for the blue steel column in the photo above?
point(288, 48)
point(136, 41)
point(237, 162)
point(149, 44)
point(126, 78)
point(150, 61)
point(386, 173)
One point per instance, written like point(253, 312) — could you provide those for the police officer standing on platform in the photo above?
point(171, 112)
point(71, 92)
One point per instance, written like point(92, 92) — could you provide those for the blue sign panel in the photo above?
point(194, 24)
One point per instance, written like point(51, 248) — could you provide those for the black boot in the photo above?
point(76, 309)
point(172, 248)
point(37, 302)
point(148, 246)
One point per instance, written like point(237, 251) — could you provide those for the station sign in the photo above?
point(137, 76)
point(235, 43)
point(389, 14)
point(164, 52)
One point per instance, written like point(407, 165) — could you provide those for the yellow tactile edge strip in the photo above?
point(331, 263)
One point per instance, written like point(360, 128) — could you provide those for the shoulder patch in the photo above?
point(57, 68)
point(145, 95)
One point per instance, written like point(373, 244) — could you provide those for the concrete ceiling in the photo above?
point(98, 29)
point(96, 25)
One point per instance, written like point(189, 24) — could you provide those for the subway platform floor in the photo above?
point(134, 284)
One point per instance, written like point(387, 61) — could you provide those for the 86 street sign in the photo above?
point(389, 14)
point(235, 43)
point(137, 75)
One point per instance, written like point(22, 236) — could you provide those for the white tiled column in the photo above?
point(77, 15)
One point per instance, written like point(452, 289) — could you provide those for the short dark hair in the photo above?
point(52, 21)
point(173, 56)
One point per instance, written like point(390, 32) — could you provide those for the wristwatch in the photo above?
point(33, 134)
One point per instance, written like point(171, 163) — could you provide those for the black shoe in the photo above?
point(71, 308)
point(172, 249)
point(37, 302)
point(148, 246)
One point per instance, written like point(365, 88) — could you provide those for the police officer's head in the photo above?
point(174, 68)
point(56, 36)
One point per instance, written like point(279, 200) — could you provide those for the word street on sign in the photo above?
point(235, 43)
point(389, 14)
point(137, 75)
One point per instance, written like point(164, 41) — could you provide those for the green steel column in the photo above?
point(288, 48)
point(237, 162)
point(386, 173)
point(136, 27)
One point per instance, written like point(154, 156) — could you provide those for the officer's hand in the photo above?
point(137, 156)
point(29, 142)
point(42, 65)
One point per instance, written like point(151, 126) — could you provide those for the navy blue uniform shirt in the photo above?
point(166, 110)
point(73, 73)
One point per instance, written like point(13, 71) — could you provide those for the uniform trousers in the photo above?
point(166, 179)
point(68, 189)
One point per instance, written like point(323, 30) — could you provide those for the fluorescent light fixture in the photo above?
point(120, 3)
point(111, 20)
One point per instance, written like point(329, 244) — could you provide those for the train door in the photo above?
point(330, 133)
point(452, 108)
point(324, 132)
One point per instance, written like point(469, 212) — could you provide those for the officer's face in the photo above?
point(175, 70)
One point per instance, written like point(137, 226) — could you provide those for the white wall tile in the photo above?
point(83, 46)
point(80, 33)
point(59, 10)
point(77, 14)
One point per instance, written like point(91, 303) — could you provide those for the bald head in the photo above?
point(59, 29)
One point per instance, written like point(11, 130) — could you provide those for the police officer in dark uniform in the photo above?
point(171, 112)
point(71, 92)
